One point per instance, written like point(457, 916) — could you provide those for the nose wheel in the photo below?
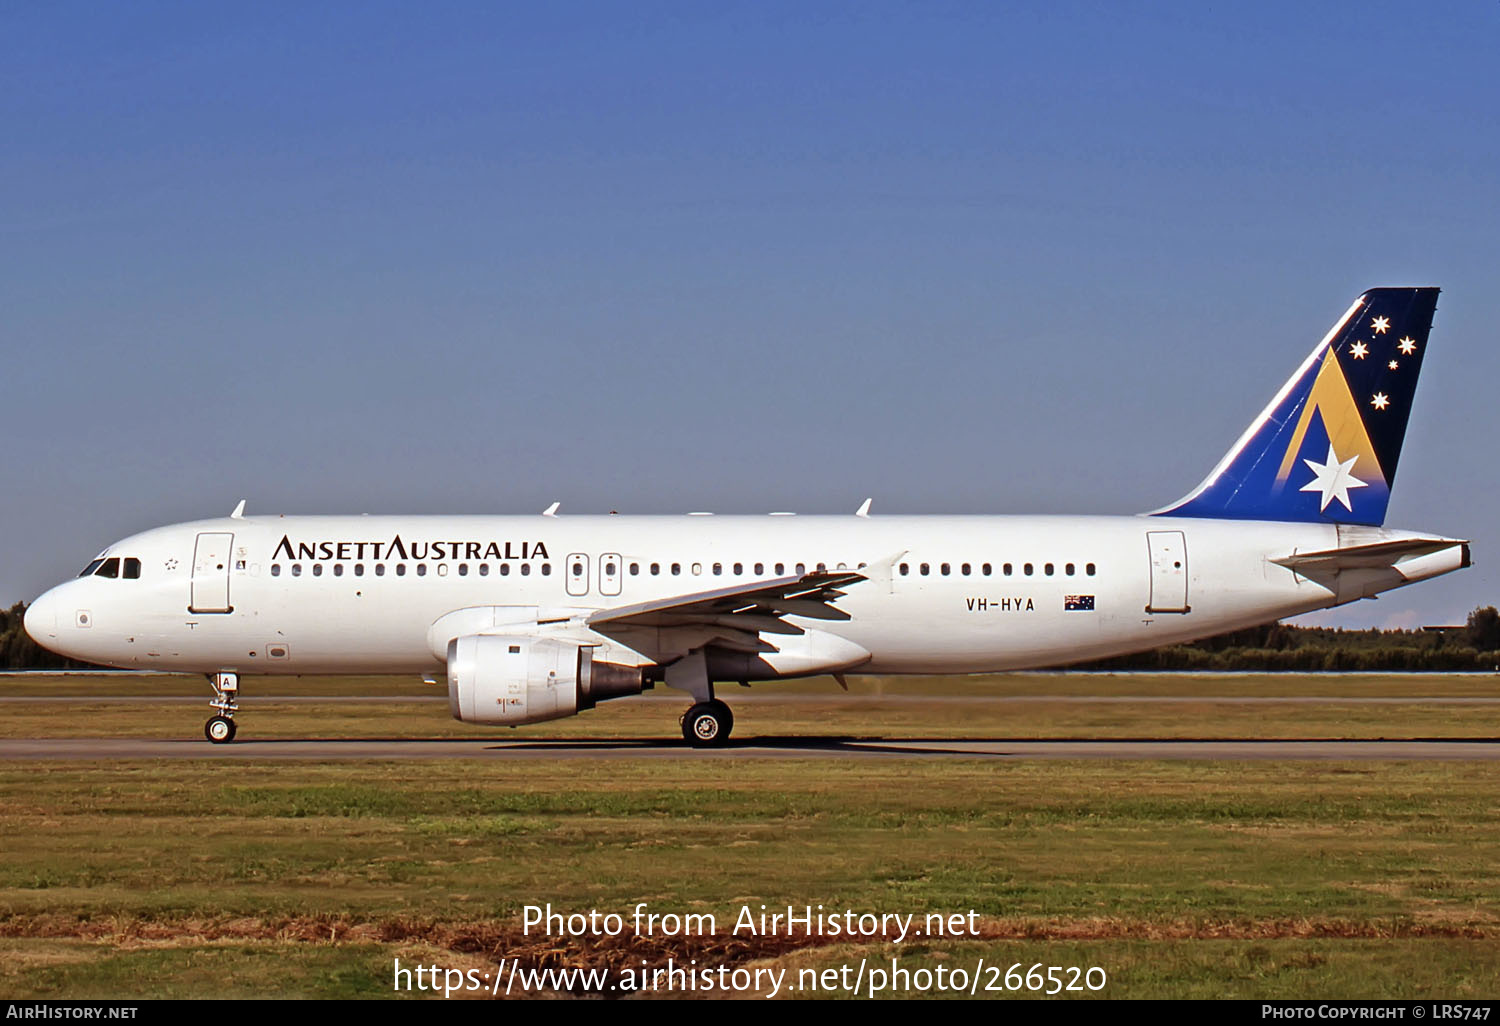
point(220, 728)
point(707, 724)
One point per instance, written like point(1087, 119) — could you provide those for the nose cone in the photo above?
point(41, 619)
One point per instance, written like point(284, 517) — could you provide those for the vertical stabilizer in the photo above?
point(1326, 448)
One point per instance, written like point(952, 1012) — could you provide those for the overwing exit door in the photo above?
point(609, 573)
point(210, 586)
point(578, 573)
point(1169, 576)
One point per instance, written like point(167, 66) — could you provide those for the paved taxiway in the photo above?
point(1423, 749)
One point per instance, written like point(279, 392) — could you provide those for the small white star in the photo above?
point(1407, 346)
point(1393, 365)
point(1380, 324)
point(1358, 350)
point(1333, 479)
point(1379, 401)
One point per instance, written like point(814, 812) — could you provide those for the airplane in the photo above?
point(534, 618)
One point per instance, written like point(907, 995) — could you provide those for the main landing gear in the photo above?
point(220, 728)
point(707, 724)
point(708, 721)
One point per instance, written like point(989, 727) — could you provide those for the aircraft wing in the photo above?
point(733, 617)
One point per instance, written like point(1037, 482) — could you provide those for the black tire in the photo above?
point(219, 730)
point(707, 725)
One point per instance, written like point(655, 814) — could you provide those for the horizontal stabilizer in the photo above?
point(1373, 556)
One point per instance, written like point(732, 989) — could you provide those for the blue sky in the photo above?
point(661, 257)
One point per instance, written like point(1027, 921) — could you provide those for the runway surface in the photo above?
point(1424, 749)
point(846, 701)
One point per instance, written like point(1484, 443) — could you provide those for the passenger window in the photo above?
point(504, 569)
point(905, 569)
point(822, 568)
point(317, 569)
point(718, 569)
point(275, 569)
point(338, 569)
point(359, 569)
point(484, 569)
point(947, 569)
point(760, 569)
point(1047, 569)
point(109, 568)
point(525, 569)
point(780, 569)
point(801, 569)
point(463, 569)
point(296, 569)
point(676, 569)
point(635, 569)
point(697, 569)
point(1089, 569)
point(1068, 569)
point(577, 569)
point(1007, 569)
point(739, 568)
point(655, 569)
point(400, 569)
point(1027, 569)
point(379, 569)
point(985, 569)
point(546, 569)
point(925, 569)
point(421, 569)
point(964, 569)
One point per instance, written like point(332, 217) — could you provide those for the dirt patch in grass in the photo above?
point(490, 941)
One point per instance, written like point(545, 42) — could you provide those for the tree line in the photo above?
point(1273, 647)
point(1279, 647)
point(19, 652)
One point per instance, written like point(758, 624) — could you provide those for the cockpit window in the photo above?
point(109, 568)
point(88, 571)
point(132, 569)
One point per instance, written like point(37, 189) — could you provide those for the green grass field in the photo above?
point(1024, 706)
point(1181, 879)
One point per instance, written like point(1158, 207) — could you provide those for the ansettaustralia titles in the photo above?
point(398, 548)
point(750, 921)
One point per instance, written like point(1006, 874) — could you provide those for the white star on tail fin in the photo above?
point(1333, 479)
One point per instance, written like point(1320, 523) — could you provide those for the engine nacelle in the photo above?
point(519, 679)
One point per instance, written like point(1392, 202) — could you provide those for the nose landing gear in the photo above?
point(220, 728)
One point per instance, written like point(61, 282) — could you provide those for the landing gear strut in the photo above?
point(220, 728)
point(708, 721)
point(707, 724)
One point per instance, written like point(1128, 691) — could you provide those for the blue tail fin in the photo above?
point(1325, 449)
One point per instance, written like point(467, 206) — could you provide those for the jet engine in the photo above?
point(519, 679)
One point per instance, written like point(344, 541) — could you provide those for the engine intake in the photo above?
point(514, 680)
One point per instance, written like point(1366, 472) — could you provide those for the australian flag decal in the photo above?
point(1078, 602)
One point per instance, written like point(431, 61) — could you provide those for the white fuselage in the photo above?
point(963, 594)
